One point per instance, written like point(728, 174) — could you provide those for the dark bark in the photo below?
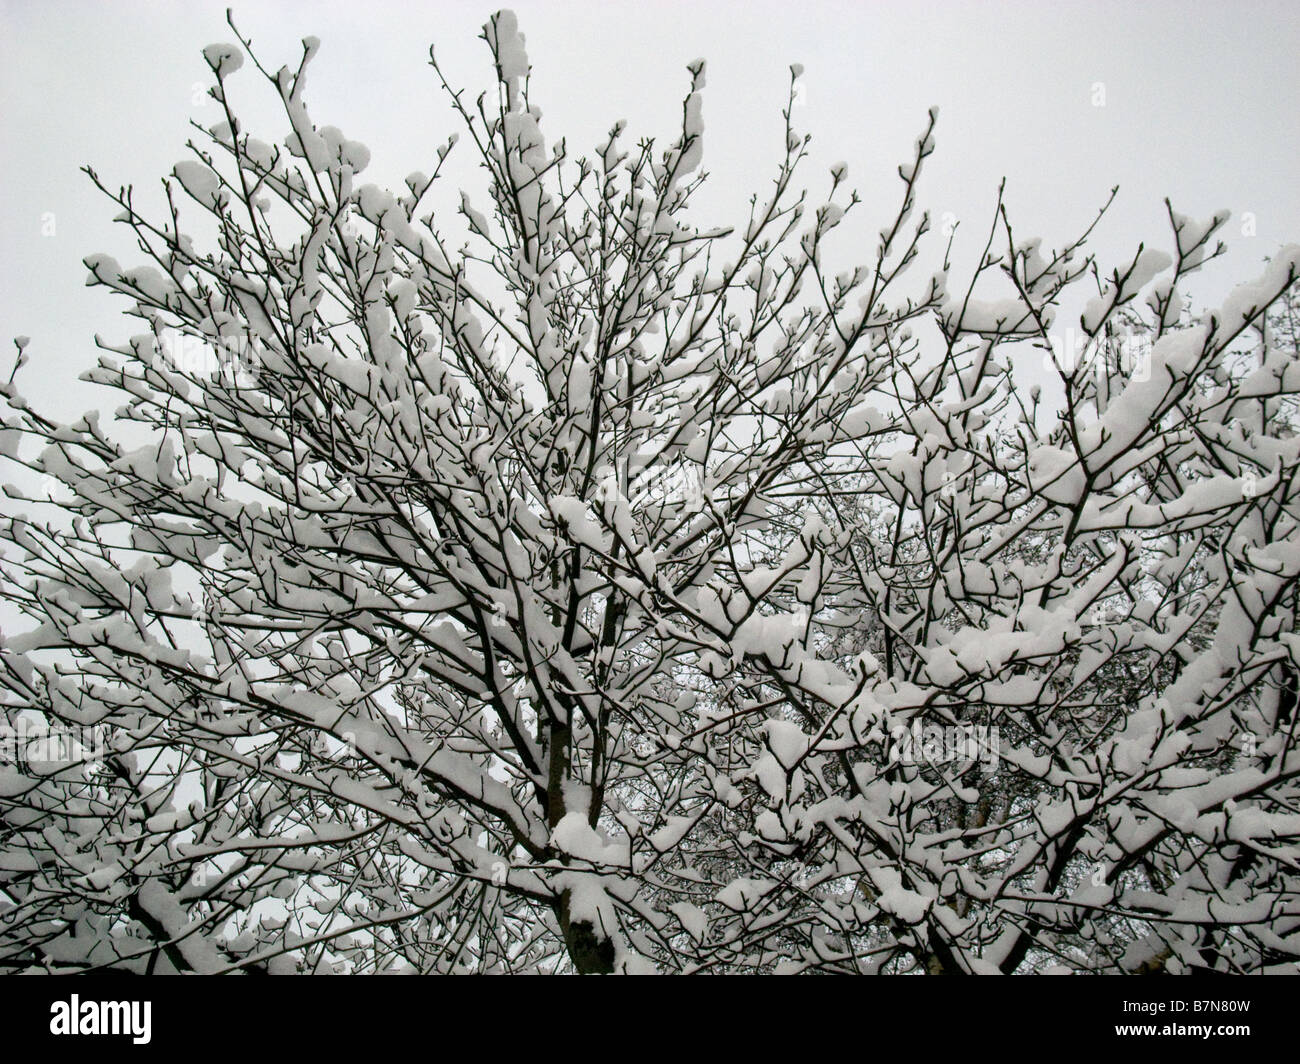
point(591, 951)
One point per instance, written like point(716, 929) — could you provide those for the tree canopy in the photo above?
point(606, 593)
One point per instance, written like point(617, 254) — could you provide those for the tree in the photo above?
point(611, 594)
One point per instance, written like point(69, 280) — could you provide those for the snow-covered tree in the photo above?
point(598, 592)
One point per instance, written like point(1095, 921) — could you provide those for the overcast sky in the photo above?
point(1195, 101)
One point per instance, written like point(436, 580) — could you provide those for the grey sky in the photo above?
point(1200, 104)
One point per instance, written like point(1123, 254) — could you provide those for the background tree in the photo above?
point(566, 600)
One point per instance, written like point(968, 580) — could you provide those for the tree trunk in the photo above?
point(591, 951)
